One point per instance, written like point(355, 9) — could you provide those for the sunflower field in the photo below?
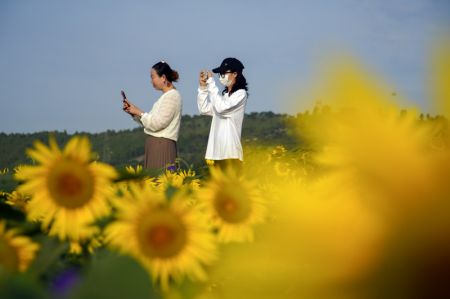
point(363, 212)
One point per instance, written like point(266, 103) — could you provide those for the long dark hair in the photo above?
point(163, 68)
point(241, 83)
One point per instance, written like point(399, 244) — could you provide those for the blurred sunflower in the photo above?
point(234, 204)
point(282, 169)
point(189, 178)
point(132, 174)
point(16, 252)
point(168, 179)
point(17, 168)
point(370, 138)
point(278, 152)
point(170, 239)
point(90, 245)
point(179, 179)
point(68, 191)
point(18, 200)
point(132, 170)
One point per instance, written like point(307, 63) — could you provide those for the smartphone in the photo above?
point(123, 95)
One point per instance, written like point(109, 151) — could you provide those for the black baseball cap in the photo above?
point(229, 65)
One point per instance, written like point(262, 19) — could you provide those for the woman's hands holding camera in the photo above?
point(204, 75)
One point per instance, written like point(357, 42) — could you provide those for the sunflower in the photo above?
point(130, 169)
point(68, 191)
point(189, 178)
point(178, 180)
point(18, 168)
point(18, 200)
point(131, 174)
point(90, 246)
point(16, 252)
point(278, 152)
point(166, 180)
point(169, 238)
point(234, 204)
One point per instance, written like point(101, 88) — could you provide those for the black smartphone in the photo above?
point(123, 95)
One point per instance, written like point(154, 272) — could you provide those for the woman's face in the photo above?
point(231, 77)
point(157, 81)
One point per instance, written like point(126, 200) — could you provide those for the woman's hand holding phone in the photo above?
point(126, 104)
point(129, 107)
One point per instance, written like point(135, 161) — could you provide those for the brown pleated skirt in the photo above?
point(159, 152)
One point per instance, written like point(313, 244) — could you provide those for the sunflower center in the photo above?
point(162, 234)
point(232, 209)
point(8, 256)
point(71, 184)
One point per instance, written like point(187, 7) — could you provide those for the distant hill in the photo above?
point(126, 147)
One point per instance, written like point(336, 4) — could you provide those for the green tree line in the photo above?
point(126, 147)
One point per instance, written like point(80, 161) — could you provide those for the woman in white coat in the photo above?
point(227, 108)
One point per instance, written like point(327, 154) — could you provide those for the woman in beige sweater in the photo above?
point(162, 122)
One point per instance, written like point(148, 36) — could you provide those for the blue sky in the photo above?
point(64, 62)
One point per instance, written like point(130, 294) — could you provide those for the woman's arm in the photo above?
point(137, 119)
point(204, 106)
point(221, 106)
point(133, 111)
